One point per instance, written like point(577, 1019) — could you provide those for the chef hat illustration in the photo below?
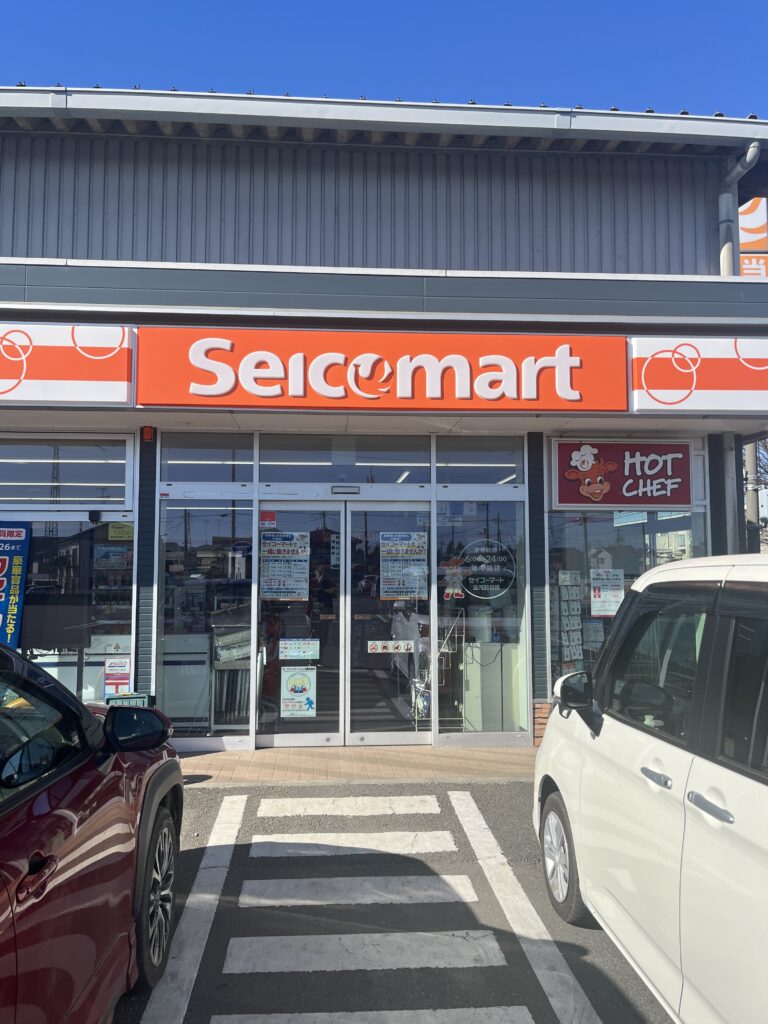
point(584, 458)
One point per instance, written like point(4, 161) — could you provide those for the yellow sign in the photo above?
point(120, 531)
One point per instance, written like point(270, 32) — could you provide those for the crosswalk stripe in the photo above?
point(320, 892)
point(334, 844)
point(565, 995)
point(348, 806)
point(362, 952)
point(170, 998)
point(470, 1015)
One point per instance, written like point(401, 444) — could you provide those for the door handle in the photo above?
point(658, 777)
point(709, 808)
point(35, 883)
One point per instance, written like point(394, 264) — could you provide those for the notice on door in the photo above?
point(298, 692)
point(117, 675)
point(606, 588)
point(403, 564)
point(284, 566)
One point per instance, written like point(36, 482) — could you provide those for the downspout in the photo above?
point(728, 225)
point(728, 208)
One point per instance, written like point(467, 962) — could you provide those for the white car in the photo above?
point(651, 788)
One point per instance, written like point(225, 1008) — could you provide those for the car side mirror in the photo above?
point(574, 691)
point(128, 728)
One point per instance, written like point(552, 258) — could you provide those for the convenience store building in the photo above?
point(334, 422)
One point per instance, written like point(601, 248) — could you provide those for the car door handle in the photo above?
point(709, 808)
point(658, 777)
point(34, 884)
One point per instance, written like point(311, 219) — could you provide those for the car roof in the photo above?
point(743, 568)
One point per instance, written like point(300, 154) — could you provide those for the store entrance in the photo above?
point(343, 624)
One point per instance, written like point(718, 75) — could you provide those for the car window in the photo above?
point(744, 730)
point(652, 679)
point(35, 736)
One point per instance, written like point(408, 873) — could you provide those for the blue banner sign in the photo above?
point(14, 554)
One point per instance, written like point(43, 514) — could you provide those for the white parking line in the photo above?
point(322, 892)
point(348, 806)
point(470, 1015)
point(335, 844)
point(555, 977)
point(170, 998)
point(386, 951)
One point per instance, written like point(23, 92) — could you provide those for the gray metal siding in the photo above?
point(216, 201)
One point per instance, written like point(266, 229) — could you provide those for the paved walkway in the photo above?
point(352, 764)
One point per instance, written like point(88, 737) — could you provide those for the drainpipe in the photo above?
point(728, 209)
point(728, 225)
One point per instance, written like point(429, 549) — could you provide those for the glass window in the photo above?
point(61, 472)
point(653, 677)
point(613, 548)
point(78, 601)
point(480, 460)
point(482, 666)
point(35, 737)
point(204, 607)
point(206, 458)
point(292, 458)
point(744, 736)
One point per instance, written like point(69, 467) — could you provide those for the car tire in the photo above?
point(561, 874)
point(155, 919)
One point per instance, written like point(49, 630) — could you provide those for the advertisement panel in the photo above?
point(316, 369)
point(753, 226)
point(14, 554)
point(700, 375)
point(621, 474)
point(66, 364)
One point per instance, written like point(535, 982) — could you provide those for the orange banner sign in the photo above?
point(321, 369)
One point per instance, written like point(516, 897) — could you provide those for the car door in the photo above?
point(635, 769)
point(724, 880)
point(7, 960)
point(66, 857)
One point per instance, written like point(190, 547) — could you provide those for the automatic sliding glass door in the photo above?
point(300, 650)
point(388, 587)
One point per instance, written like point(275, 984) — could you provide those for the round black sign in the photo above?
point(488, 569)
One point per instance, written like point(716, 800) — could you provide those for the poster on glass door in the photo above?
point(298, 692)
point(403, 565)
point(284, 566)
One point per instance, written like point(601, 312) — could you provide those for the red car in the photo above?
point(90, 810)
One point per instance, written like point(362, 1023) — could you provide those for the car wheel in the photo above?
point(154, 923)
point(559, 858)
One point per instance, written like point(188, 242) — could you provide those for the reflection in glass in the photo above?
point(207, 458)
point(390, 680)
point(287, 458)
point(62, 472)
point(621, 545)
point(482, 664)
point(480, 460)
point(78, 601)
point(299, 621)
point(204, 644)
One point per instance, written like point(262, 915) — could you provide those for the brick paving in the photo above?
point(352, 764)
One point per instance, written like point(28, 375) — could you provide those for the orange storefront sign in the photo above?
point(366, 370)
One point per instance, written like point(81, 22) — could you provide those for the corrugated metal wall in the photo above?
point(109, 198)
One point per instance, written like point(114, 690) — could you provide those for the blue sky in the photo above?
point(666, 54)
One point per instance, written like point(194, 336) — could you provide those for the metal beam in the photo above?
point(62, 124)
point(202, 130)
point(25, 124)
point(96, 124)
point(309, 134)
point(168, 128)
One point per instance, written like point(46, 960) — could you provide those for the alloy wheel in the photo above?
point(556, 860)
point(161, 896)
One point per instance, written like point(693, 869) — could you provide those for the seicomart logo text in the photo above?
point(288, 369)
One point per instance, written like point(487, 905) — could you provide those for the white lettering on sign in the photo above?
point(646, 481)
point(502, 377)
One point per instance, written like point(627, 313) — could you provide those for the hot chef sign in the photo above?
point(616, 475)
point(292, 369)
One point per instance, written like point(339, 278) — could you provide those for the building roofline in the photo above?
point(65, 107)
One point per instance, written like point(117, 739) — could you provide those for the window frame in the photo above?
point(63, 508)
point(698, 596)
point(46, 694)
point(736, 601)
